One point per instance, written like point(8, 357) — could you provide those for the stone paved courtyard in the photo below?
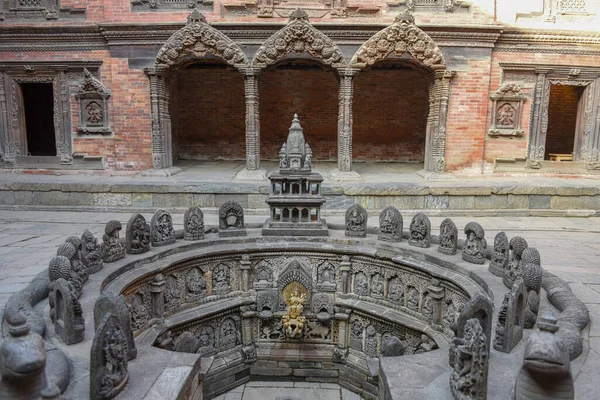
point(289, 391)
point(570, 248)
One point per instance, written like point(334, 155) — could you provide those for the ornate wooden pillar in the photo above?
point(162, 146)
point(539, 122)
point(252, 119)
point(62, 118)
point(435, 139)
point(346, 93)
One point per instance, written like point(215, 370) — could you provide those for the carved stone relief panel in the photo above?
point(38, 10)
point(93, 97)
point(170, 5)
point(506, 110)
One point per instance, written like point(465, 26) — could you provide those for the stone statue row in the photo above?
point(391, 225)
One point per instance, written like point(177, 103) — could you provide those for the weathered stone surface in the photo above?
point(23, 197)
point(112, 248)
point(437, 202)
point(112, 199)
point(68, 315)
point(539, 202)
point(509, 328)
point(161, 228)
point(473, 250)
point(137, 235)
point(141, 199)
point(170, 200)
point(390, 225)
point(356, 221)
point(391, 346)
point(109, 303)
point(231, 220)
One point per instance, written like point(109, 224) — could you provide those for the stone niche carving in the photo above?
point(412, 299)
point(263, 275)
point(509, 328)
point(517, 246)
point(474, 248)
point(322, 305)
point(361, 284)
point(377, 286)
point(112, 248)
point(139, 312)
point(137, 235)
point(60, 267)
point(93, 106)
point(395, 291)
point(221, 279)
point(420, 231)
point(390, 225)
point(231, 219)
point(68, 317)
point(326, 277)
point(110, 303)
point(193, 224)
point(195, 283)
point(162, 230)
point(532, 278)
point(499, 259)
point(546, 370)
point(469, 357)
point(108, 363)
point(448, 238)
point(478, 307)
point(356, 221)
point(507, 108)
point(229, 334)
point(91, 252)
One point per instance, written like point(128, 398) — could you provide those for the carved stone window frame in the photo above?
point(45, 10)
point(508, 94)
point(587, 137)
point(64, 77)
point(89, 92)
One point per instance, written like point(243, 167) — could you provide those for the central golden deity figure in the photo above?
point(294, 295)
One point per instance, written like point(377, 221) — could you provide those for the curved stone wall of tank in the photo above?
point(220, 295)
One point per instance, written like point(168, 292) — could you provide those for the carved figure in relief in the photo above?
point(427, 308)
point(137, 235)
point(356, 221)
point(499, 259)
point(501, 324)
point(308, 157)
point(195, 282)
point(448, 237)
point(108, 370)
point(77, 261)
point(283, 157)
point(263, 273)
point(506, 115)
point(91, 252)
point(78, 273)
point(317, 330)
point(272, 329)
point(413, 299)
point(193, 223)
point(546, 370)
point(229, 335)
point(112, 248)
point(294, 295)
point(206, 340)
point(517, 246)
point(94, 113)
point(396, 290)
point(390, 225)
point(356, 335)
point(139, 314)
point(361, 284)
point(221, 283)
point(162, 229)
point(371, 341)
point(231, 219)
point(420, 229)
point(326, 277)
point(377, 286)
point(475, 244)
point(171, 292)
point(469, 375)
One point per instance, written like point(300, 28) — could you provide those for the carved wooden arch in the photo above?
point(299, 36)
point(196, 40)
point(403, 37)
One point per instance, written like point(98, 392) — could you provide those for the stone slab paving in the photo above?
point(259, 390)
point(570, 248)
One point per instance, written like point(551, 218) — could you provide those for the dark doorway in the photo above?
point(562, 121)
point(38, 104)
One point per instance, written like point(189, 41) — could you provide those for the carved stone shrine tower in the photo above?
point(295, 200)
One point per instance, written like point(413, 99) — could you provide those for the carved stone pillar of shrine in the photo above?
point(245, 268)
point(435, 140)
point(252, 170)
point(162, 143)
point(157, 287)
point(345, 270)
point(346, 92)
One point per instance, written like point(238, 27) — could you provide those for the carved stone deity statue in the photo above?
point(396, 290)
point(110, 303)
point(294, 295)
point(112, 248)
point(356, 221)
point(390, 225)
point(420, 231)
point(231, 219)
point(499, 260)
point(546, 370)
point(377, 286)
point(517, 246)
point(448, 237)
point(76, 272)
point(193, 224)
point(162, 230)
point(469, 362)
point(361, 284)
point(137, 235)
point(532, 278)
point(76, 260)
point(91, 252)
point(475, 244)
point(108, 364)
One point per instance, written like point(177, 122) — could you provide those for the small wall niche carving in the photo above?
point(93, 106)
point(506, 112)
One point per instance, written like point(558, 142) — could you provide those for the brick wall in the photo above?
point(208, 114)
point(562, 119)
point(309, 92)
point(390, 115)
